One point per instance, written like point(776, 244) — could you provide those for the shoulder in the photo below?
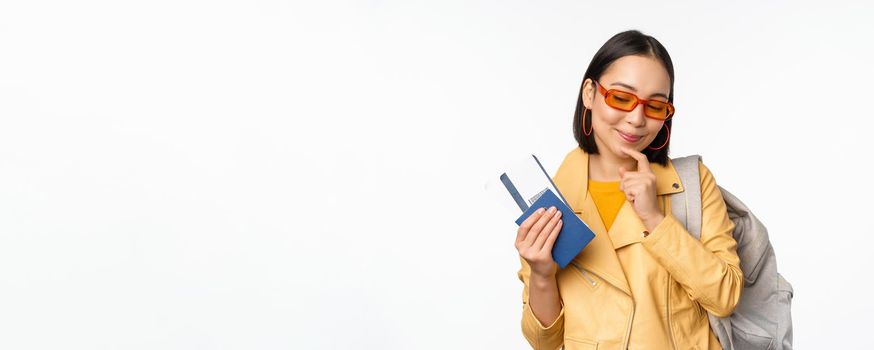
point(573, 161)
point(575, 153)
point(703, 169)
point(707, 176)
point(709, 187)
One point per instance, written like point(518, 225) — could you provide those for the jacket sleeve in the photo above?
point(709, 269)
point(539, 336)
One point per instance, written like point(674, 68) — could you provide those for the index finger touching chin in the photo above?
point(642, 162)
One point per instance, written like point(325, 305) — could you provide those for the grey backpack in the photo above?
point(762, 318)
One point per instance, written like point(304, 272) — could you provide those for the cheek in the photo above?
point(654, 129)
point(606, 117)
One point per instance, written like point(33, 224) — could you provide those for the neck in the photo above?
point(605, 165)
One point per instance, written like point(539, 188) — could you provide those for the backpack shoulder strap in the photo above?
point(686, 205)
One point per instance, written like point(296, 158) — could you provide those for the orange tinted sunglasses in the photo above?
point(627, 102)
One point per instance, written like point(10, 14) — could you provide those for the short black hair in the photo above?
point(627, 43)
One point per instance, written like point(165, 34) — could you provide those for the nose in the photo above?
point(636, 117)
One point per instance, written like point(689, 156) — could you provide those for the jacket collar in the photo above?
point(599, 256)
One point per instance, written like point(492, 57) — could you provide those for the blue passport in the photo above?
point(574, 234)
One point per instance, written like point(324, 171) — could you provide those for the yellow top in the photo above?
point(608, 198)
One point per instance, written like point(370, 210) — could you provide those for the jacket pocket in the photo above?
point(571, 343)
point(587, 276)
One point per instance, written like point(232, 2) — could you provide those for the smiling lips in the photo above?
point(629, 138)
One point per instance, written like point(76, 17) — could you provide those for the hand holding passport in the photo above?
point(527, 182)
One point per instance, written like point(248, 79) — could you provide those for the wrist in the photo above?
point(654, 221)
point(541, 279)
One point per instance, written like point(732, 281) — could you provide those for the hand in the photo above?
point(535, 238)
point(640, 189)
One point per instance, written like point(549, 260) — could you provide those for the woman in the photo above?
point(643, 282)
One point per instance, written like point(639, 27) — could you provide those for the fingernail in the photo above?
point(558, 213)
point(551, 209)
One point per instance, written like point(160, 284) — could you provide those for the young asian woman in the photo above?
point(644, 282)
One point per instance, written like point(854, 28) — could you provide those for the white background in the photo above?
point(277, 175)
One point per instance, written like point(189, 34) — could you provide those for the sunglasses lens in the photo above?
point(620, 100)
point(658, 109)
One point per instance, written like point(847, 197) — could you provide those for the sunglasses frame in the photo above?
point(637, 101)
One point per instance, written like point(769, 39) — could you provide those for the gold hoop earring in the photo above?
point(665, 126)
point(584, 124)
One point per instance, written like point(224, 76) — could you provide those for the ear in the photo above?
point(588, 93)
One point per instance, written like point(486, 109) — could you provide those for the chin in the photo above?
point(620, 145)
point(617, 150)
